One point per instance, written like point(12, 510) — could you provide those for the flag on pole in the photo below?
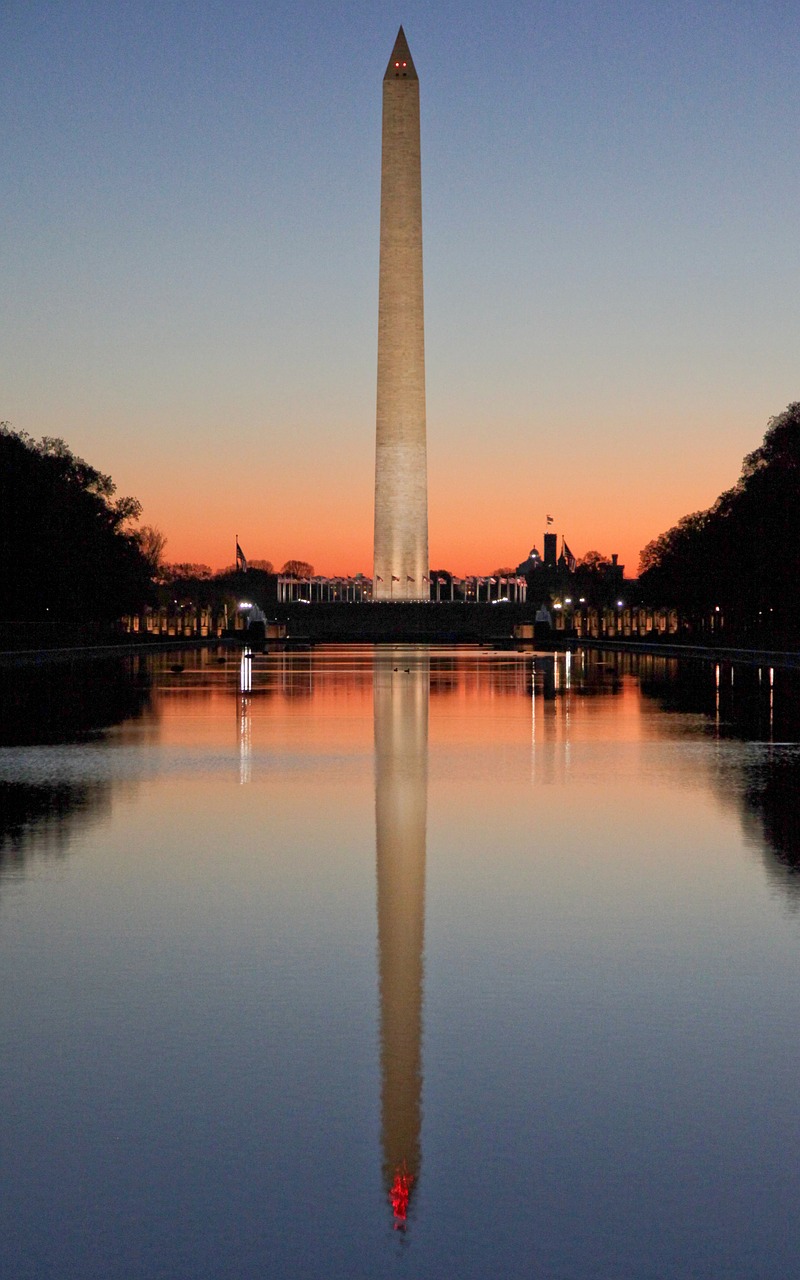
point(241, 561)
point(569, 557)
point(394, 578)
point(409, 578)
point(378, 578)
point(549, 519)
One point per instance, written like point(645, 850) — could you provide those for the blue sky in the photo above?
point(611, 261)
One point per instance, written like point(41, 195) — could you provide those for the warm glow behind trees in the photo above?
point(593, 561)
point(298, 569)
point(742, 553)
point(69, 552)
point(151, 544)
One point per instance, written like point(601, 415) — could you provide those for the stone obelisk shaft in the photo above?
point(401, 482)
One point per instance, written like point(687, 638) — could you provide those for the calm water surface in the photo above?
point(400, 963)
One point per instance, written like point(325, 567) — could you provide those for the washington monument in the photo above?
point(401, 483)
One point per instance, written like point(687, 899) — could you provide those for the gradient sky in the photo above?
point(190, 242)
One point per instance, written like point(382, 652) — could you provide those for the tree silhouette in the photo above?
point(180, 572)
point(68, 551)
point(151, 544)
point(298, 569)
point(743, 553)
point(594, 561)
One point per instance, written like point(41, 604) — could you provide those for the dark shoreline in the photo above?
point(92, 652)
point(136, 648)
point(758, 657)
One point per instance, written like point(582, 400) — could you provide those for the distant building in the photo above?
point(553, 577)
point(532, 563)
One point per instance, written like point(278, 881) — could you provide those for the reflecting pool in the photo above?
point(400, 961)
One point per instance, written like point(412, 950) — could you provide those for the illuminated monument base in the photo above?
point(408, 621)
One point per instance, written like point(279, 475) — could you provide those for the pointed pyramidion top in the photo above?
point(400, 65)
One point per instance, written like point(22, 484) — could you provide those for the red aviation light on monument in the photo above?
point(401, 64)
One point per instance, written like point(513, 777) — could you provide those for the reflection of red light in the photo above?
point(399, 1194)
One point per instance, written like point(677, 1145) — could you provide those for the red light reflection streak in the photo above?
point(399, 1196)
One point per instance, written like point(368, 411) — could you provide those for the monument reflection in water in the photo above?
point(195, 1085)
point(401, 689)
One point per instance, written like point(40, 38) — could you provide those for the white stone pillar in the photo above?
point(401, 487)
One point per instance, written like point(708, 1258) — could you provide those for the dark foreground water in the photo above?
point(401, 963)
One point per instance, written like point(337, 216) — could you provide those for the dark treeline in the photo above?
point(71, 554)
point(193, 586)
point(60, 703)
point(70, 702)
point(68, 549)
point(73, 559)
point(742, 555)
point(763, 785)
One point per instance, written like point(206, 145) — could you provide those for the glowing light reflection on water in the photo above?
point(491, 967)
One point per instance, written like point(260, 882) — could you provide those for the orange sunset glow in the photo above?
point(484, 511)
point(609, 311)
